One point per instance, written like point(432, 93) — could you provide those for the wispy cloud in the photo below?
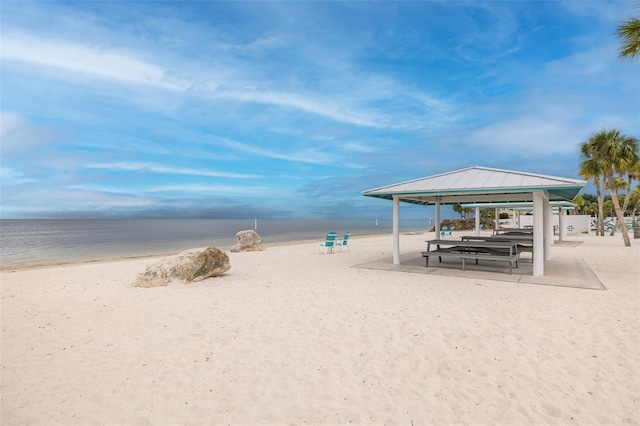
point(211, 189)
point(123, 66)
point(536, 134)
point(158, 168)
point(142, 106)
point(9, 121)
point(96, 61)
point(493, 37)
point(9, 176)
point(310, 155)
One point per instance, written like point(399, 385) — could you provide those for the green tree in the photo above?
point(592, 209)
point(618, 184)
point(488, 213)
point(590, 198)
point(608, 208)
point(635, 202)
point(629, 32)
point(580, 202)
point(632, 174)
point(458, 209)
point(612, 152)
point(591, 168)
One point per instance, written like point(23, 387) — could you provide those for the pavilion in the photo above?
point(556, 206)
point(485, 185)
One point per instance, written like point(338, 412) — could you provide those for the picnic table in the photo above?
point(506, 251)
point(513, 231)
point(525, 241)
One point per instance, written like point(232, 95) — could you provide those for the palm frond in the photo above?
point(629, 32)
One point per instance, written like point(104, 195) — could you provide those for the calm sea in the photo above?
point(43, 242)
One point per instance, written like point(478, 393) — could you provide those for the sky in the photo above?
point(267, 109)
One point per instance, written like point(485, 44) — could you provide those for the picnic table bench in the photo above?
point(516, 231)
point(525, 242)
point(506, 251)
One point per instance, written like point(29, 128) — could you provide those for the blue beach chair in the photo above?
point(446, 232)
point(443, 231)
point(342, 244)
point(328, 243)
point(450, 231)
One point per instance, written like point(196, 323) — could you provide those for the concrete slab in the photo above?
point(574, 273)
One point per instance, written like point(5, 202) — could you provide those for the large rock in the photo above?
point(247, 241)
point(188, 266)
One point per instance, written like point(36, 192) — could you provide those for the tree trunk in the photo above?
point(627, 195)
point(626, 201)
point(619, 212)
point(600, 222)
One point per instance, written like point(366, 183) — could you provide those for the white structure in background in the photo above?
point(520, 217)
point(485, 185)
point(573, 224)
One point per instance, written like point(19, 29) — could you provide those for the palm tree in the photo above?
point(632, 173)
point(591, 168)
point(458, 209)
point(612, 152)
point(635, 199)
point(579, 201)
point(629, 32)
point(618, 183)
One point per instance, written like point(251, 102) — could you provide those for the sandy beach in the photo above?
point(292, 337)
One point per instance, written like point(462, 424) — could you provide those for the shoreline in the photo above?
point(291, 336)
point(30, 266)
point(41, 243)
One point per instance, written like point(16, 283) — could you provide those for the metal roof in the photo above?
point(479, 184)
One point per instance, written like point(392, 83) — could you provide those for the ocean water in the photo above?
point(26, 243)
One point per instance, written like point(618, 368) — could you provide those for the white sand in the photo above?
point(289, 336)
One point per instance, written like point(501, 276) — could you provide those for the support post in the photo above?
point(437, 228)
point(396, 230)
point(477, 220)
point(538, 234)
point(548, 228)
point(561, 230)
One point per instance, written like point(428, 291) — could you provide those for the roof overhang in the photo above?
point(479, 184)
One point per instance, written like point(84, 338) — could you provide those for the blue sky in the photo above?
point(292, 109)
